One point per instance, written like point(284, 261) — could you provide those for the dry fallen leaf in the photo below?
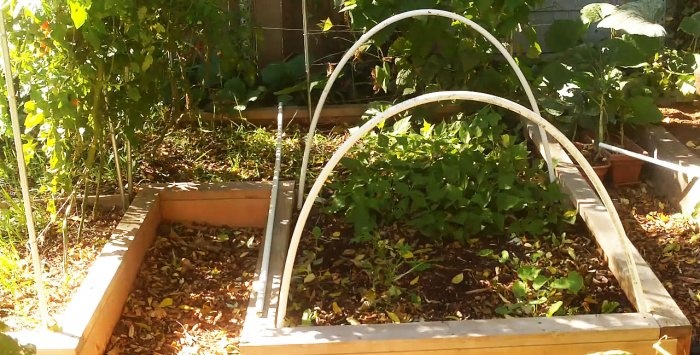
point(457, 279)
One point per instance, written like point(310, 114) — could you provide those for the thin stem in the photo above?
point(115, 151)
point(21, 166)
point(129, 167)
point(98, 183)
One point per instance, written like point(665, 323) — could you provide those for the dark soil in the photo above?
point(341, 290)
point(191, 294)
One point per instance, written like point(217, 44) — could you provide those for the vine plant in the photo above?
point(83, 65)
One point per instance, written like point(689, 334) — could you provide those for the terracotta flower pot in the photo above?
point(625, 170)
point(601, 168)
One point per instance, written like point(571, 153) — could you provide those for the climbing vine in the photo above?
point(88, 69)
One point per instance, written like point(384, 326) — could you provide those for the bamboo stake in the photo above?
point(117, 164)
point(21, 165)
point(129, 167)
point(307, 55)
point(98, 182)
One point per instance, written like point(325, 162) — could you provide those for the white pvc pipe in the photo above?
point(544, 147)
point(261, 288)
point(664, 164)
point(445, 96)
point(14, 116)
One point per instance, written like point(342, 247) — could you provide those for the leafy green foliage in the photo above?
point(640, 17)
point(597, 85)
point(447, 181)
point(691, 25)
point(427, 54)
point(537, 294)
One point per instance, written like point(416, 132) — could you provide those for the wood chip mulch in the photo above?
point(19, 306)
point(668, 241)
point(191, 293)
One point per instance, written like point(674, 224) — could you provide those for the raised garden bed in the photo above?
point(86, 325)
point(191, 293)
point(582, 334)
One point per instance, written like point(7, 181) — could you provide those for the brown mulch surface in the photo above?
point(19, 307)
point(334, 277)
point(191, 294)
point(667, 241)
point(682, 119)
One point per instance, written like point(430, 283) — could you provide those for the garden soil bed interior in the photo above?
point(191, 293)
point(443, 282)
point(86, 325)
point(582, 334)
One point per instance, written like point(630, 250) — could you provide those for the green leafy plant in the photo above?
point(598, 85)
point(447, 181)
point(427, 54)
point(537, 294)
point(640, 17)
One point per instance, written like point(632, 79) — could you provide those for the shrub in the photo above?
point(448, 181)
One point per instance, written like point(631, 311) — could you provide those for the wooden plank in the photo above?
point(96, 306)
point(47, 342)
point(644, 347)
point(282, 233)
point(211, 191)
point(232, 212)
point(660, 303)
point(470, 334)
point(331, 114)
point(268, 14)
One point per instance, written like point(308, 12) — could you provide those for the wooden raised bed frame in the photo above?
point(89, 319)
point(635, 333)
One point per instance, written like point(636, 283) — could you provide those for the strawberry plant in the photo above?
point(448, 181)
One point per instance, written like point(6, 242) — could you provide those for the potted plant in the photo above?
point(597, 82)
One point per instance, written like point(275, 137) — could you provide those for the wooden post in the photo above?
point(268, 14)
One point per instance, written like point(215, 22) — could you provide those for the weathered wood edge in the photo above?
point(280, 242)
point(87, 323)
point(671, 320)
point(681, 189)
point(331, 115)
point(469, 334)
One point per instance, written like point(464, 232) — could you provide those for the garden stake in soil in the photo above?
point(269, 229)
point(21, 166)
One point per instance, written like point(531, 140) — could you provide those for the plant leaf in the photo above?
point(309, 277)
point(519, 289)
point(457, 279)
point(166, 302)
point(78, 12)
point(596, 12)
point(394, 318)
point(554, 308)
point(636, 18)
point(691, 25)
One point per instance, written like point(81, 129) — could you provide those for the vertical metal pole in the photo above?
point(261, 289)
point(307, 60)
point(12, 101)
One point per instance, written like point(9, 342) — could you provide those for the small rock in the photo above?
point(691, 144)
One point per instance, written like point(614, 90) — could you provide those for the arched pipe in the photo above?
point(445, 96)
point(544, 148)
